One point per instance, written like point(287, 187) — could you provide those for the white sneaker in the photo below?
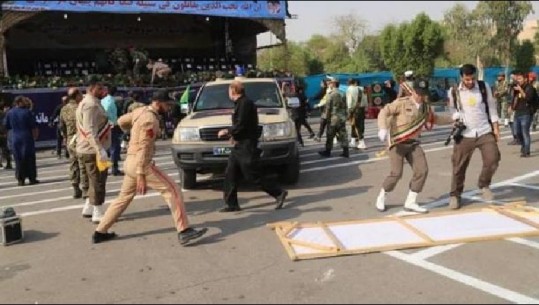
point(381, 201)
point(88, 209)
point(361, 144)
point(98, 214)
point(487, 194)
point(411, 205)
point(352, 142)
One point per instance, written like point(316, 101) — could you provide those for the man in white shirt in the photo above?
point(468, 105)
point(356, 103)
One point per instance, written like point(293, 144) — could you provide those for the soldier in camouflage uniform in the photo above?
point(69, 132)
point(501, 93)
point(336, 114)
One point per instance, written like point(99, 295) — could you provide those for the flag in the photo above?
point(184, 100)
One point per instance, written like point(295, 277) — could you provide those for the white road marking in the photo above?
point(524, 242)
point(419, 258)
point(531, 187)
point(467, 280)
point(433, 251)
point(64, 167)
point(78, 206)
point(30, 203)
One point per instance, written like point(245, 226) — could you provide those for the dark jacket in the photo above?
point(300, 113)
point(245, 121)
point(527, 104)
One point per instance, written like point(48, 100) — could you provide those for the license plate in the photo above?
point(221, 151)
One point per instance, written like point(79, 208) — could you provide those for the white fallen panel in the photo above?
point(307, 241)
point(374, 235)
point(481, 224)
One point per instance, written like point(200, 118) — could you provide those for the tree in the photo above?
point(423, 41)
point(350, 29)
point(412, 46)
point(457, 25)
point(368, 56)
point(392, 47)
point(524, 56)
point(470, 36)
point(536, 40)
point(337, 59)
point(318, 45)
point(508, 18)
point(274, 59)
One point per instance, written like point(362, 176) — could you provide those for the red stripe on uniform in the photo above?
point(167, 181)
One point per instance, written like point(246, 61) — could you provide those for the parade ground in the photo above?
point(241, 260)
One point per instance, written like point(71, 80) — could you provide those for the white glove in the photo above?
point(456, 116)
point(382, 134)
point(103, 155)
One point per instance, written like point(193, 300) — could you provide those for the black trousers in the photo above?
point(244, 161)
point(302, 122)
point(4, 152)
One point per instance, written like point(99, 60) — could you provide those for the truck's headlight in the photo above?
point(187, 134)
point(277, 131)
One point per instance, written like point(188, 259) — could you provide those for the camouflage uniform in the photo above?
point(336, 114)
point(501, 91)
point(78, 176)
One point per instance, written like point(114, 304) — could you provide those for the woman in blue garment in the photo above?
point(22, 124)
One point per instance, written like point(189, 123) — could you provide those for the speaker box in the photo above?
point(10, 231)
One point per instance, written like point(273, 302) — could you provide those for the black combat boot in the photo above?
point(116, 171)
point(77, 192)
point(325, 153)
point(345, 152)
point(98, 237)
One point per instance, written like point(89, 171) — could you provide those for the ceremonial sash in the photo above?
point(424, 119)
point(101, 134)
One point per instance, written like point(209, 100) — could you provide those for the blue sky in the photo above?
point(315, 16)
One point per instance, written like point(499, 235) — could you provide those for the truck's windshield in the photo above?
point(264, 94)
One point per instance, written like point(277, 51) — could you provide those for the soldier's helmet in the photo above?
point(421, 86)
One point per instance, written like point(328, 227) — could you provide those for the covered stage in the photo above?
point(65, 38)
point(49, 45)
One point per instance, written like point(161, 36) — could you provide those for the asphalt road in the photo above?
point(242, 261)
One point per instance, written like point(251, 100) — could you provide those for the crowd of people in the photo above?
point(92, 127)
point(476, 111)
